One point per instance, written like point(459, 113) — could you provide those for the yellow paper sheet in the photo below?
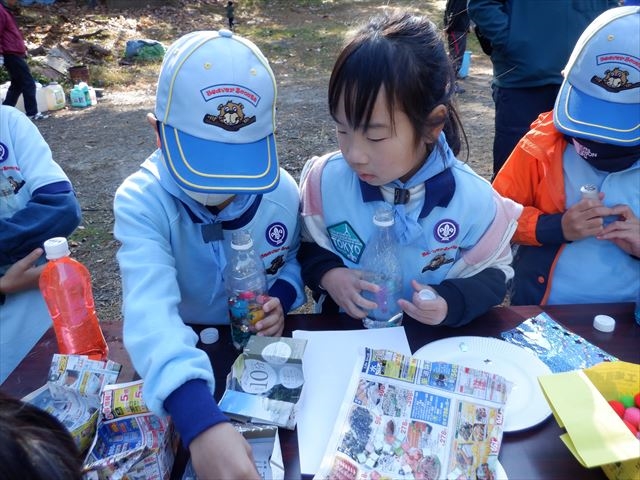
point(595, 434)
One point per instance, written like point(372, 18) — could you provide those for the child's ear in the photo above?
point(435, 121)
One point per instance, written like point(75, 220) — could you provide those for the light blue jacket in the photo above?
point(172, 276)
point(46, 207)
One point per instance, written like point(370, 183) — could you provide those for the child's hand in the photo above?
point(272, 325)
point(429, 312)
point(624, 232)
point(584, 219)
point(222, 452)
point(344, 285)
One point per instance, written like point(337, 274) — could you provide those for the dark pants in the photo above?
point(21, 83)
point(457, 42)
point(516, 109)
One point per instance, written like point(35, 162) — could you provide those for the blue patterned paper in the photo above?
point(559, 348)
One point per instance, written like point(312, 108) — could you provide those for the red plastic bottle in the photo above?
point(65, 284)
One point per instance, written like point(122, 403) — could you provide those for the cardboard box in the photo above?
point(265, 382)
point(595, 434)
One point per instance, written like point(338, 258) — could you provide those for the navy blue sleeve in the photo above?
point(53, 211)
point(285, 292)
point(468, 298)
point(315, 261)
point(549, 229)
point(193, 410)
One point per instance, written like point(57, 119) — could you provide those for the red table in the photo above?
point(536, 453)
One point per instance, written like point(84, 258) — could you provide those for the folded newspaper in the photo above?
point(72, 393)
point(131, 442)
point(265, 382)
point(406, 418)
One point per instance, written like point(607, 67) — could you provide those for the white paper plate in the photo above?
point(526, 404)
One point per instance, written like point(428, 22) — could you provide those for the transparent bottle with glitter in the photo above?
point(381, 265)
point(246, 283)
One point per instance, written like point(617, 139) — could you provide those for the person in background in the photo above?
point(398, 134)
point(216, 171)
point(37, 203)
point(13, 53)
point(573, 249)
point(34, 444)
point(230, 14)
point(456, 28)
point(531, 41)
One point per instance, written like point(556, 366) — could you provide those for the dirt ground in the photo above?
point(100, 146)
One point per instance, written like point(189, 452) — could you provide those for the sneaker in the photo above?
point(38, 116)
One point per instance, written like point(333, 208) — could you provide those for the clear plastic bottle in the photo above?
point(246, 283)
point(381, 265)
point(8, 200)
point(65, 284)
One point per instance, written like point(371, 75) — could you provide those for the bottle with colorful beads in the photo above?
point(246, 284)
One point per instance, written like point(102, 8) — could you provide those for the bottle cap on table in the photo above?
point(604, 323)
point(209, 335)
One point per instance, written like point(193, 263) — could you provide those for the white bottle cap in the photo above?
point(209, 335)
point(589, 191)
point(56, 247)
point(604, 323)
point(426, 294)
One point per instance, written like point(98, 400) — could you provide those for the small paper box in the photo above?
point(265, 382)
point(595, 434)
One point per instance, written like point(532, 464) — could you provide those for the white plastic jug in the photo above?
point(54, 96)
point(93, 96)
point(87, 95)
point(40, 100)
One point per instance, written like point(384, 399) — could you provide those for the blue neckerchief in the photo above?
point(439, 184)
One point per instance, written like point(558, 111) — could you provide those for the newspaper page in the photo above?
point(406, 418)
point(131, 442)
point(72, 393)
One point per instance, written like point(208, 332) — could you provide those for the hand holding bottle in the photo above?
point(272, 325)
point(345, 285)
point(428, 311)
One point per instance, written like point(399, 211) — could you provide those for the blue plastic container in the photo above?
point(466, 64)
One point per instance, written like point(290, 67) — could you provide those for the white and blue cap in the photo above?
point(215, 106)
point(600, 96)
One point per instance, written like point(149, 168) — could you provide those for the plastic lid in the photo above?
point(56, 247)
point(604, 323)
point(241, 240)
point(383, 217)
point(426, 294)
point(209, 335)
point(589, 191)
